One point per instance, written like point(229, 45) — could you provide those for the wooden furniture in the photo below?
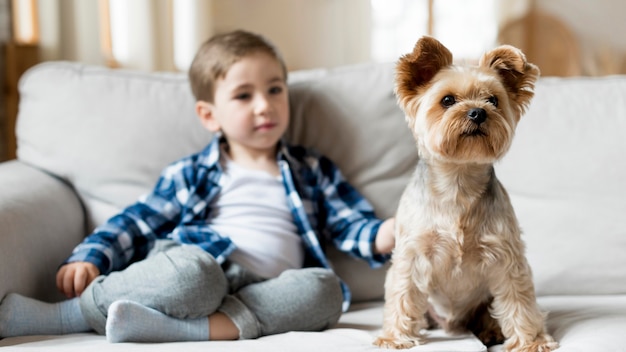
point(546, 41)
point(21, 51)
point(18, 59)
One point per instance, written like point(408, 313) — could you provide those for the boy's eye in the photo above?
point(242, 96)
point(276, 90)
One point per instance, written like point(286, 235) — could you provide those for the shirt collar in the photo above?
point(210, 156)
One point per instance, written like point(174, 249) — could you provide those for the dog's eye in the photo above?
point(448, 101)
point(493, 100)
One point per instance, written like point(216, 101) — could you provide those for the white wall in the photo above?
point(309, 33)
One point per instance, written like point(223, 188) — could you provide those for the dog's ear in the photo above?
point(417, 68)
point(517, 74)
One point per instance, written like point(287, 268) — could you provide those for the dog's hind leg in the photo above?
point(484, 326)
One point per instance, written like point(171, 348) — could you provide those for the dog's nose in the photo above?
point(477, 115)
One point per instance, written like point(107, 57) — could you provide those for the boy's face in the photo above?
point(251, 104)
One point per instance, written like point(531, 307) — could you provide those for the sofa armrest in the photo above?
point(41, 220)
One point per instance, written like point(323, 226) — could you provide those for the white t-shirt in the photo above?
point(252, 211)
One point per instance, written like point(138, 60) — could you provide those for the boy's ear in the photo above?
point(204, 110)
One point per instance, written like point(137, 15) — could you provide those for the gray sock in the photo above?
point(128, 321)
point(21, 316)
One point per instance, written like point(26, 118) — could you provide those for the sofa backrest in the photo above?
point(107, 132)
point(110, 132)
point(566, 176)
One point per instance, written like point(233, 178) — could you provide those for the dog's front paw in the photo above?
point(395, 342)
point(543, 343)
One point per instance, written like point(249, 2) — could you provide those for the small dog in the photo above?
point(459, 259)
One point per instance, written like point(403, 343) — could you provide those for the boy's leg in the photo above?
point(21, 316)
point(298, 300)
point(182, 281)
point(305, 300)
point(128, 321)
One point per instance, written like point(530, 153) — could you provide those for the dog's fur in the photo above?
point(459, 259)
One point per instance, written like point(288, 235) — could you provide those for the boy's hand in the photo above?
point(385, 238)
point(73, 278)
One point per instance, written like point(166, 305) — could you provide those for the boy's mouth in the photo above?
point(265, 126)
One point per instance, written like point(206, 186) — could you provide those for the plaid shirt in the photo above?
point(324, 207)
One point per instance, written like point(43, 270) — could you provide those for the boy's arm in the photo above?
point(385, 238)
point(129, 235)
point(350, 218)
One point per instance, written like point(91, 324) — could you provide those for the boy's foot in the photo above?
point(128, 321)
point(20, 315)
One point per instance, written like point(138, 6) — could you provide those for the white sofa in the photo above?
point(91, 140)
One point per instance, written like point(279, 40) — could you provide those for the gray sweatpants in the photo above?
point(185, 282)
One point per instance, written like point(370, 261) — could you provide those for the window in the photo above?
point(467, 28)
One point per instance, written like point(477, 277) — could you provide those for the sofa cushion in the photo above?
point(108, 132)
point(350, 115)
point(34, 205)
point(566, 176)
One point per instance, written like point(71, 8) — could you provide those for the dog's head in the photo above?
point(461, 113)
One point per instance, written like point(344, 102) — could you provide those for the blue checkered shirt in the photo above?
point(324, 206)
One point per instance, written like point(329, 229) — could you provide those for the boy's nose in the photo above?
point(262, 103)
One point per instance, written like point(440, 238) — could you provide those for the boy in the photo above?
point(227, 245)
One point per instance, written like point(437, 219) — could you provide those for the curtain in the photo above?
point(137, 34)
point(165, 34)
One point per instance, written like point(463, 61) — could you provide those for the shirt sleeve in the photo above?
point(129, 235)
point(349, 217)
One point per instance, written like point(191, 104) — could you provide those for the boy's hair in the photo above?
point(219, 53)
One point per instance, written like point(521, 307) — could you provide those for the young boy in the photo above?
point(229, 243)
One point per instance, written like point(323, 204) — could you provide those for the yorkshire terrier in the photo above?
point(459, 259)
